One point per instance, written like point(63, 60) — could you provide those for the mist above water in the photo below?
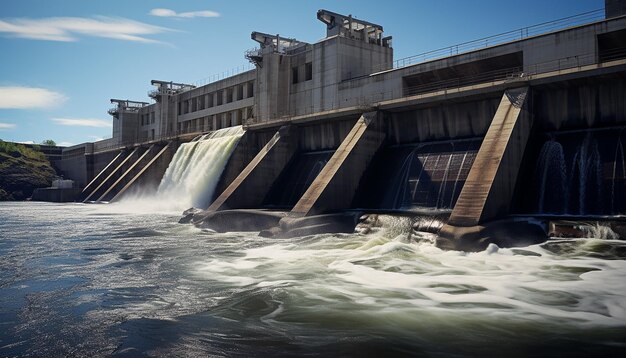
point(83, 280)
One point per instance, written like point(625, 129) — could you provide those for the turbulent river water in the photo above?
point(101, 280)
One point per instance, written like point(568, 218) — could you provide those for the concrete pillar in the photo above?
point(614, 8)
point(250, 187)
point(334, 188)
point(150, 172)
point(490, 183)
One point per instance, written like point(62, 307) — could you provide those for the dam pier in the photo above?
point(501, 139)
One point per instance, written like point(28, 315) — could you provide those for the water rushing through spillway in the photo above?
point(87, 280)
point(194, 172)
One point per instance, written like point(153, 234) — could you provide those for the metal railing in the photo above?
point(493, 40)
point(507, 75)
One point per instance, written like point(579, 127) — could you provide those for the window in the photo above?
point(250, 89)
point(210, 100)
point(294, 75)
point(152, 117)
point(308, 71)
point(180, 108)
point(200, 103)
point(239, 92)
point(229, 95)
point(220, 97)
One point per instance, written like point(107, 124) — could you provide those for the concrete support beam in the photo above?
point(110, 192)
point(489, 187)
point(103, 173)
point(95, 193)
point(335, 186)
point(250, 187)
point(144, 170)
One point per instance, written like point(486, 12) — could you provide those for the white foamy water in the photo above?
point(82, 280)
point(192, 176)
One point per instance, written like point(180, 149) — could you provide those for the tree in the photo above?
point(49, 142)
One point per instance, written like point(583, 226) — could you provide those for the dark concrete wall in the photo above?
point(324, 135)
point(442, 121)
point(249, 145)
point(249, 188)
point(335, 186)
point(580, 104)
point(614, 8)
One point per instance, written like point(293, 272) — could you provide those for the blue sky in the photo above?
point(61, 61)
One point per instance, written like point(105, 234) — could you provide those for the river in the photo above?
point(102, 280)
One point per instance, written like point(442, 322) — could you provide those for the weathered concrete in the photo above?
point(137, 164)
point(335, 186)
point(253, 183)
point(103, 185)
point(108, 169)
point(145, 170)
point(57, 195)
point(490, 184)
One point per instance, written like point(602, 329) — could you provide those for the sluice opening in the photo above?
point(575, 173)
point(296, 179)
point(418, 176)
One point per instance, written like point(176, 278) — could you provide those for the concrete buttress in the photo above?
point(489, 187)
point(335, 186)
point(252, 184)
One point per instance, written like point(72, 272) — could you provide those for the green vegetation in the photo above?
point(49, 142)
point(22, 170)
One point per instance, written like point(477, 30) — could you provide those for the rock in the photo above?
point(271, 232)
point(503, 233)
point(237, 220)
point(319, 224)
point(186, 219)
point(191, 211)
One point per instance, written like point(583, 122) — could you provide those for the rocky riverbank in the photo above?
point(22, 170)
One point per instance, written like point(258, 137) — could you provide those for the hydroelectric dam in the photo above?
point(507, 139)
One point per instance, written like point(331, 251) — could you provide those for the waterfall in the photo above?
point(402, 196)
point(586, 178)
point(194, 172)
point(551, 173)
point(619, 172)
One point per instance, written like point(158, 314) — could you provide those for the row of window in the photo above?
point(147, 118)
point(296, 73)
point(217, 98)
point(216, 121)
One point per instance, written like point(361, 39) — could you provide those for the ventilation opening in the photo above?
point(612, 45)
point(490, 69)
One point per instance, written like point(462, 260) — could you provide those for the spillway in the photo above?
point(192, 176)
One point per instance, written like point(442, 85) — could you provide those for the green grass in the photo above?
point(17, 150)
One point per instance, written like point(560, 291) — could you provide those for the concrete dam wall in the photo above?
point(506, 138)
point(529, 158)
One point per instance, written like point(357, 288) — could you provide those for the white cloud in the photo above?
point(6, 126)
point(27, 142)
point(29, 97)
point(83, 122)
point(96, 138)
point(187, 15)
point(65, 144)
point(68, 28)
